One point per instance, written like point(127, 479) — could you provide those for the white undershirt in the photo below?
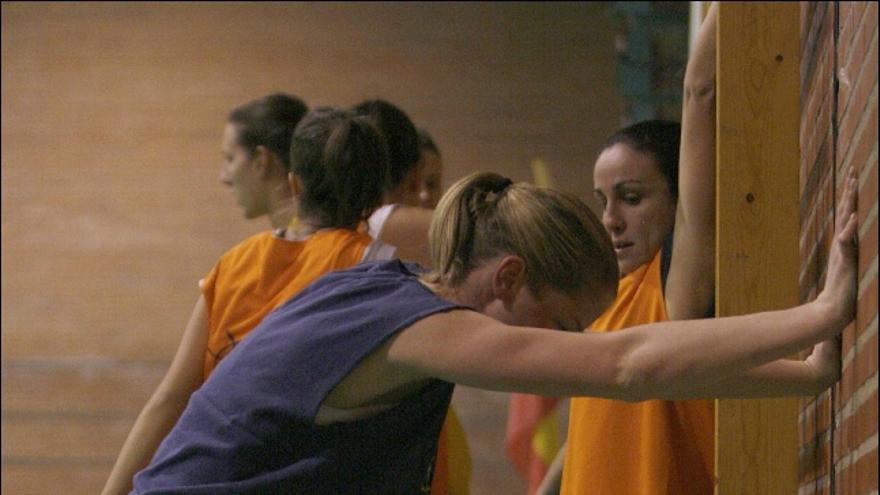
point(378, 218)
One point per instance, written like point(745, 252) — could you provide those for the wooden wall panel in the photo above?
point(758, 113)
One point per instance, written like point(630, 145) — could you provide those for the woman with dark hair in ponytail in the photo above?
point(402, 222)
point(337, 171)
point(344, 388)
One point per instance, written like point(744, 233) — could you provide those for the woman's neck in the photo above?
point(474, 291)
point(280, 206)
point(299, 229)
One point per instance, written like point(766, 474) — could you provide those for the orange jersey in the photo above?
point(653, 447)
point(263, 271)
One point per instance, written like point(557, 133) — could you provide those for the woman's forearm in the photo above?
point(784, 377)
point(685, 359)
point(166, 404)
point(152, 425)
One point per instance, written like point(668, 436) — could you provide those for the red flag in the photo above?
point(532, 439)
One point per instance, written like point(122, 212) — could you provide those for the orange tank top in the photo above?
point(263, 271)
point(653, 447)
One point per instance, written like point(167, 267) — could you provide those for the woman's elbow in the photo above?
point(632, 381)
point(699, 89)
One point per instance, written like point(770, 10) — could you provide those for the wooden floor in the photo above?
point(483, 415)
point(63, 426)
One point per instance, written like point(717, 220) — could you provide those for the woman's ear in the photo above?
point(296, 185)
point(508, 278)
point(412, 183)
point(263, 161)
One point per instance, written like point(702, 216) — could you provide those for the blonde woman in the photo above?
point(344, 388)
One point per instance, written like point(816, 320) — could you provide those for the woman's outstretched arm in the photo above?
point(668, 360)
point(690, 285)
point(407, 229)
point(166, 404)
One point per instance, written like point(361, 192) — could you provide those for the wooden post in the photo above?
point(758, 112)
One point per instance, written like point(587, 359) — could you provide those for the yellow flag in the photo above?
point(541, 173)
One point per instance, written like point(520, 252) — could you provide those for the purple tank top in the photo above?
point(250, 428)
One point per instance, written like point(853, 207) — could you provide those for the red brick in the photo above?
point(809, 426)
point(813, 458)
point(807, 461)
point(817, 161)
point(858, 64)
point(849, 480)
point(867, 306)
point(850, 117)
point(866, 13)
point(846, 27)
point(855, 31)
point(858, 427)
point(846, 380)
point(810, 270)
point(845, 16)
point(870, 18)
point(865, 420)
point(841, 439)
point(866, 473)
point(858, 10)
point(814, 43)
point(867, 249)
point(823, 416)
point(866, 359)
point(868, 192)
point(807, 235)
point(818, 83)
point(868, 246)
point(859, 149)
point(808, 13)
point(857, 56)
point(844, 90)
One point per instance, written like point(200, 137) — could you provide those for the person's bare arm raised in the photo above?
point(667, 360)
point(690, 285)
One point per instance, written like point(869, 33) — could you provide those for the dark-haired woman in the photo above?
point(403, 222)
point(399, 221)
point(256, 156)
point(659, 209)
point(430, 171)
point(655, 181)
point(336, 168)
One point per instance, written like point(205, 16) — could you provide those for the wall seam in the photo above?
point(832, 477)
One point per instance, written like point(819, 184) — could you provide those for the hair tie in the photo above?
point(487, 195)
point(492, 196)
point(503, 185)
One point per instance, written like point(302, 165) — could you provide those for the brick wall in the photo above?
point(838, 429)
point(112, 115)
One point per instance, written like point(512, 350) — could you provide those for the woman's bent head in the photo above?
point(563, 247)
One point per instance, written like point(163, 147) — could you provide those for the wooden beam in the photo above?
point(758, 112)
